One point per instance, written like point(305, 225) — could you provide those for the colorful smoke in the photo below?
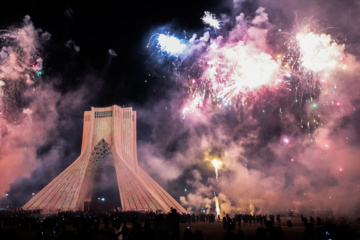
point(20, 64)
point(279, 104)
point(31, 111)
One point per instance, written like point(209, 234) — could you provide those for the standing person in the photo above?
point(188, 233)
point(118, 234)
point(175, 224)
point(125, 232)
point(224, 222)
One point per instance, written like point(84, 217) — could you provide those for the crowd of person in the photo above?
point(149, 225)
point(116, 225)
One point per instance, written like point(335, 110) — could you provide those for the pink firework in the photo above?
point(236, 68)
point(319, 52)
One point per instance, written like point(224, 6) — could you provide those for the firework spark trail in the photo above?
point(196, 102)
point(310, 64)
point(216, 163)
point(217, 208)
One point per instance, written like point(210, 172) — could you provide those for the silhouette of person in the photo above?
point(224, 222)
point(240, 235)
point(229, 235)
point(187, 233)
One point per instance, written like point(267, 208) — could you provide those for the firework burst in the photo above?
point(20, 66)
point(211, 20)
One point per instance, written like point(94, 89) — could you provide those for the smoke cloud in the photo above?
point(284, 148)
point(36, 118)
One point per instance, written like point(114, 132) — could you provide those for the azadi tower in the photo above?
point(109, 137)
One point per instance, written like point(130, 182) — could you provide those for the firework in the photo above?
point(227, 70)
point(297, 88)
point(194, 103)
point(217, 208)
point(211, 20)
point(21, 70)
point(251, 209)
point(236, 69)
point(216, 163)
point(319, 52)
point(169, 45)
point(20, 65)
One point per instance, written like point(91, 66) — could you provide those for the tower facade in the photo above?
point(109, 137)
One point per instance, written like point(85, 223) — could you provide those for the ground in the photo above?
point(209, 231)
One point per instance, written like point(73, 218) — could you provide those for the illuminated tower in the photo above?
point(109, 137)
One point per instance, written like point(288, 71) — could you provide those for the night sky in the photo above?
point(294, 145)
point(95, 27)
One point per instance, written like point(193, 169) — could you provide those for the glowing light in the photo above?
point(252, 209)
point(326, 146)
point(40, 72)
point(217, 208)
point(170, 45)
point(216, 164)
point(286, 140)
point(210, 19)
point(238, 68)
point(112, 52)
point(319, 52)
point(193, 104)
